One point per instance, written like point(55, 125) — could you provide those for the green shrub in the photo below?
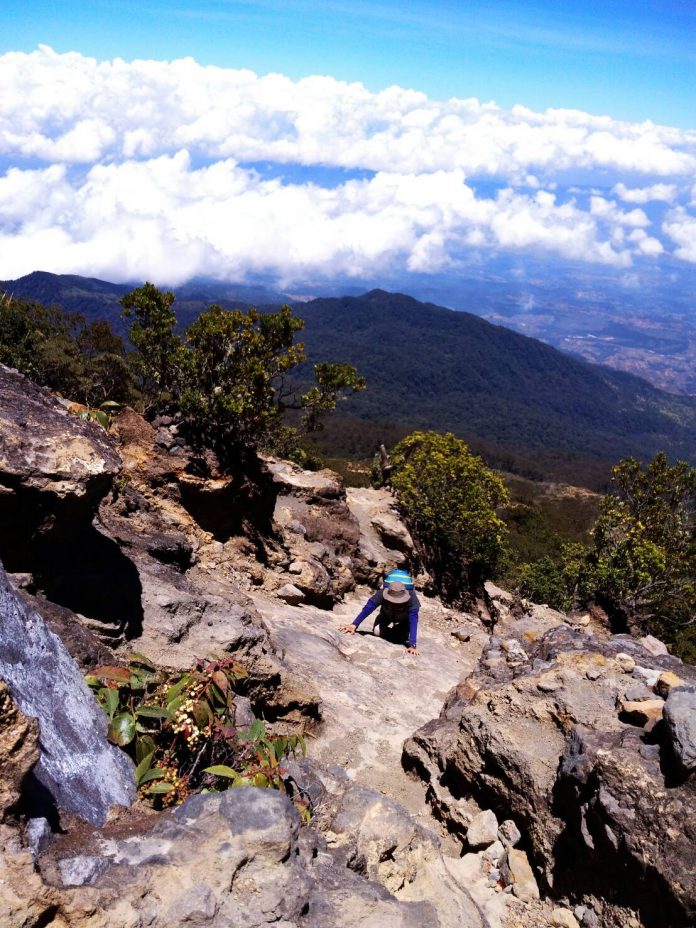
point(224, 375)
point(179, 728)
point(450, 501)
point(642, 565)
point(86, 362)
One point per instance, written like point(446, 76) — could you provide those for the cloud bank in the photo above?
point(152, 169)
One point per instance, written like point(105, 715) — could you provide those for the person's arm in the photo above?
point(373, 603)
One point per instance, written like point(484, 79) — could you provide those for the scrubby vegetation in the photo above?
point(224, 376)
point(181, 730)
point(86, 362)
point(450, 501)
point(640, 562)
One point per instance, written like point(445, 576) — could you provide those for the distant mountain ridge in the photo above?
point(431, 367)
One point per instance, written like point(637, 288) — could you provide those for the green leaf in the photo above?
point(109, 699)
point(137, 658)
point(202, 713)
point(261, 780)
point(154, 774)
point(255, 732)
point(221, 770)
point(143, 768)
point(158, 789)
point(174, 690)
point(92, 681)
point(143, 747)
point(154, 712)
point(122, 729)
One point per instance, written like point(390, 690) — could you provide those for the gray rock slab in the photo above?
point(680, 716)
point(80, 769)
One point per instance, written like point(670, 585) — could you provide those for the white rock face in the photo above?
point(79, 768)
point(483, 830)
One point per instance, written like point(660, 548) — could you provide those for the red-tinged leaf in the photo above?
point(221, 681)
point(117, 674)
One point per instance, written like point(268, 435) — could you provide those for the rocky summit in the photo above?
point(526, 769)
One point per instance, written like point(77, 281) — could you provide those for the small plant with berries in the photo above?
point(180, 728)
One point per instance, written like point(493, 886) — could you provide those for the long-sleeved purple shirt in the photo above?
point(376, 601)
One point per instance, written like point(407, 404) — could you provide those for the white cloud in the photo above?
point(70, 107)
point(162, 218)
point(122, 193)
point(681, 228)
point(665, 192)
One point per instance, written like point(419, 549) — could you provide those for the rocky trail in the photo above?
point(374, 696)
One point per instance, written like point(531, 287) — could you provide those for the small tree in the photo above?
point(450, 499)
point(224, 375)
point(642, 567)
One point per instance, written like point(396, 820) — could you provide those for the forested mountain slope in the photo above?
point(431, 367)
point(436, 368)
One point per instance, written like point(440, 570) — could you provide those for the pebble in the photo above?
point(593, 673)
point(483, 829)
point(625, 662)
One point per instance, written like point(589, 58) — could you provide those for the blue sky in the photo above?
point(631, 59)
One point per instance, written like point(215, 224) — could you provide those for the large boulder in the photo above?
point(318, 532)
point(384, 542)
point(54, 468)
point(540, 734)
point(81, 771)
point(240, 858)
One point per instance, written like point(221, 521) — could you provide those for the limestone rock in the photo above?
point(653, 645)
point(483, 830)
point(509, 833)
point(290, 593)
point(570, 771)
point(238, 858)
point(46, 450)
point(563, 918)
point(680, 717)
point(667, 681)
point(78, 767)
point(516, 871)
point(384, 539)
point(19, 749)
point(643, 712)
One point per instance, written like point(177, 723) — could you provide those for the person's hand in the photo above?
point(410, 650)
point(348, 629)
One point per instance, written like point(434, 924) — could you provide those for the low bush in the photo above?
point(181, 731)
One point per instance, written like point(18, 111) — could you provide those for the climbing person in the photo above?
point(398, 611)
